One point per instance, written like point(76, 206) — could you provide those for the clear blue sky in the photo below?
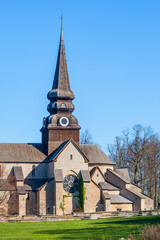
point(113, 56)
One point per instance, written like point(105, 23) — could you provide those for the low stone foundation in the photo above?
point(78, 216)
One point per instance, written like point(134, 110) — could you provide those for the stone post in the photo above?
point(22, 204)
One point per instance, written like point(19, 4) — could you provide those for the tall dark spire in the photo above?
point(60, 125)
point(61, 86)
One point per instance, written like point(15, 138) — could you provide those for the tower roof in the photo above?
point(61, 86)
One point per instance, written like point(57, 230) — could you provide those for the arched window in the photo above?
point(33, 171)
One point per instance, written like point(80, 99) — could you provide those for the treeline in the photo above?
point(139, 151)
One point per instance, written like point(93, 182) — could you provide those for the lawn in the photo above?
point(113, 228)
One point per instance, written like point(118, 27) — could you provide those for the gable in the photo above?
point(97, 176)
point(71, 158)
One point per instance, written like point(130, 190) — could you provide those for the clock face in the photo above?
point(64, 121)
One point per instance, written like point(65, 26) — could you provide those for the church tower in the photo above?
point(60, 125)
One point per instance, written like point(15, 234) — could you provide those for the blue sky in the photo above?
point(113, 57)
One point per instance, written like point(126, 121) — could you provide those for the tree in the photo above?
point(86, 138)
point(8, 196)
point(139, 151)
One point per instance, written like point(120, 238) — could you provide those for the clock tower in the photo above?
point(60, 125)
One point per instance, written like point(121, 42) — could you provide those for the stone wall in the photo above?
point(22, 205)
point(59, 198)
point(149, 203)
point(41, 170)
point(87, 202)
point(31, 203)
point(115, 180)
point(97, 177)
point(42, 202)
point(136, 199)
point(65, 163)
point(122, 206)
point(50, 197)
point(95, 197)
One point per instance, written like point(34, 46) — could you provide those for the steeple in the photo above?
point(61, 86)
point(60, 125)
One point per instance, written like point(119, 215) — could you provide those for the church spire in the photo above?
point(60, 125)
point(61, 86)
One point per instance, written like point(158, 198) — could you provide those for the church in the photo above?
point(59, 176)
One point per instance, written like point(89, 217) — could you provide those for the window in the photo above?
point(71, 157)
point(97, 175)
point(0, 171)
point(70, 184)
point(27, 196)
point(119, 209)
point(33, 171)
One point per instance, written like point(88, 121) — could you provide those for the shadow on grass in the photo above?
point(84, 233)
point(101, 229)
point(134, 220)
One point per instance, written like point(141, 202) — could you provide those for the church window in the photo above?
point(27, 196)
point(71, 157)
point(70, 184)
point(33, 171)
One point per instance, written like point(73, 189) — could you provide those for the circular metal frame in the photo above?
point(64, 121)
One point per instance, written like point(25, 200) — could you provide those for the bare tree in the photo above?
point(8, 196)
point(139, 151)
point(86, 138)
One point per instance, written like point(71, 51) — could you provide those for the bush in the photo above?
point(149, 232)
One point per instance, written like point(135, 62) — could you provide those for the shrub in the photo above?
point(149, 232)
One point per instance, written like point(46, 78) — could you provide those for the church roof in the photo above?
point(57, 151)
point(116, 198)
point(35, 184)
point(108, 186)
point(137, 193)
point(85, 175)
point(21, 152)
point(18, 173)
point(123, 177)
point(119, 199)
point(95, 155)
point(58, 175)
point(124, 173)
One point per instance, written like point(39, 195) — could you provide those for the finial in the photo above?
point(61, 21)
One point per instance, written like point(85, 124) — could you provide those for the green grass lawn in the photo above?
point(112, 228)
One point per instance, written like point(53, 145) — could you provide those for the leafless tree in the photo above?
point(139, 151)
point(8, 196)
point(86, 138)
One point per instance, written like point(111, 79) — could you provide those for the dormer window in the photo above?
point(33, 171)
